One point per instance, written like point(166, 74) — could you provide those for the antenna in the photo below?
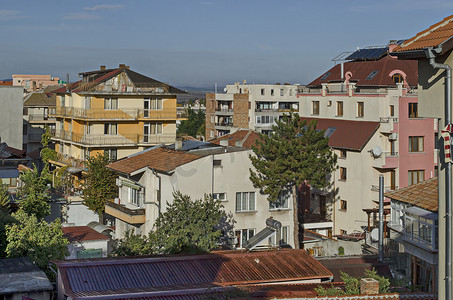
point(67, 82)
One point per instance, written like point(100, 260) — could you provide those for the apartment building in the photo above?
point(33, 83)
point(372, 86)
point(248, 106)
point(116, 111)
point(38, 107)
point(11, 124)
point(429, 48)
point(147, 181)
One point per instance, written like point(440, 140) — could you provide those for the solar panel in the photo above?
point(370, 53)
point(258, 238)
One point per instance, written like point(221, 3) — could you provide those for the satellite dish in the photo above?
point(377, 151)
point(375, 235)
point(393, 136)
point(225, 90)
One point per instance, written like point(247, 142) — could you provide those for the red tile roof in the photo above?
point(161, 159)
point(434, 36)
point(82, 234)
point(247, 137)
point(361, 69)
point(423, 194)
point(129, 276)
point(348, 135)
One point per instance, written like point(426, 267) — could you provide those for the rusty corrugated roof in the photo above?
point(189, 272)
point(434, 36)
point(423, 194)
point(82, 233)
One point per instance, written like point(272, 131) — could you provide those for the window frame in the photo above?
point(219, 196)
point(243, 202)
point(343, 205)
point(416, 144)
point(413, 110)
point(315, 107)
point(415, 174)
point(108, 128)
point(281, 203)
point(343, 174)
point(340, 109)
point(110, 103)
point(360, 109)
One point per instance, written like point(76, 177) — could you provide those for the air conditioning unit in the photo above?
point(393, 136)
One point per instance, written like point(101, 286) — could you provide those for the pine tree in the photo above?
point(294, 153)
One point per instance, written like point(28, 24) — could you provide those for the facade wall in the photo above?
point(200, 177)
point(11, 121)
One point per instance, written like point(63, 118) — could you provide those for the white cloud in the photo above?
point(82, 16)
point(103, 7)
point(6, 15)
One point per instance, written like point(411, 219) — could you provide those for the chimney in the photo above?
point(122, 66)
point(178, 144)
point(392, 45)
point(102, 68)
point(126, 67)
point(369, 286)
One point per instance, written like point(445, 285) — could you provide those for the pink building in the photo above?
point(34, 82)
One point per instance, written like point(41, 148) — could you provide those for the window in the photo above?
point(211, 133)
point(342, 173)
point(243, 235)
point(110, 128)
point(416, 143)
point(152, 128)
point(151, 104)
point(265, 119)
point(413, 110)
point(339, 108)
point(272, 92)
point(217, 162)
point(392, 110)
point(88, 102)
point(343, 232)
point(262, 92)
point(134, 196)
point(343, 205)
point(416, 176)
point(110, 103)
point(290, 92)
point(281, 203)
point(315, 107)
point(245, 201)
point(9, 182)
point(281, 92)
point(112, 153)
point(392, 179)
point(343, 153)
point(219, 196)
point(397, 78)
point(371, 75)
point(360, 109)
point(324, 77)
point(25, 111)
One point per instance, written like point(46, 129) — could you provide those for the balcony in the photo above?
point(126, 213)
point(63, 160)
point(387, 124)
point(115, 114)
point(387, 160)
point(224, 111)
point(40, 119)
point(103, 140)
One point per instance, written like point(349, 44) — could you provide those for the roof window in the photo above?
point(324, 77)
point(372, 74)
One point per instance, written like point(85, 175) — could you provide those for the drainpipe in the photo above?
point(448, 229)
point(381, 218)
point(160, 192)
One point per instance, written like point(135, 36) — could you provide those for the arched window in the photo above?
point(397, 78)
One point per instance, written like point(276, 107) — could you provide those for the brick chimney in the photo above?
point(102, 68)
point(122, 66)
point(369, 286)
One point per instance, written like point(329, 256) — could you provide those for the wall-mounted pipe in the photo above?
point(381, 218)
point(159, 191)
point(430, 54)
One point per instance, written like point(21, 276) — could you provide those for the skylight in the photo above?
point(372, 74)
point(324, 77)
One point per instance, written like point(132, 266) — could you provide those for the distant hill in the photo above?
point(194, 93)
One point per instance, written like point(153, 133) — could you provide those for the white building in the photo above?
point(148, 179)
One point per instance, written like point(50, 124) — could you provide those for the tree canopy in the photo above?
point(100, 184)
point(194, 125)
point(187, 226)
point(34, 193)
point(36, 239)
point(295, 152)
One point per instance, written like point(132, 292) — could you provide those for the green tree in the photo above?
point(384, 283)
point(46, 152)
point(190, 226)
point(37, 240)
point(4, 198)
point(194, 125)
point(100, 184)
point(5, 219)
point(132, 245)
point(34, 193)
point(294, 153)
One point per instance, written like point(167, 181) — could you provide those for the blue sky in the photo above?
point(202, 42)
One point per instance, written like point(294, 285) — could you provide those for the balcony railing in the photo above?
point(40, 118)
point(224, 109)
point(224, 124)
point(69, 161)
point(266, 110)
point(388, 119)
point(111, 140)
point(128, 215)
point(121, 114)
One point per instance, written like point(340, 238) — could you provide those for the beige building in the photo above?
point(33, 83)
point(147, 181)
point(248, 106)
point(115, 111)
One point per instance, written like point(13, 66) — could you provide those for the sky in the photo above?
point(201, 43)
